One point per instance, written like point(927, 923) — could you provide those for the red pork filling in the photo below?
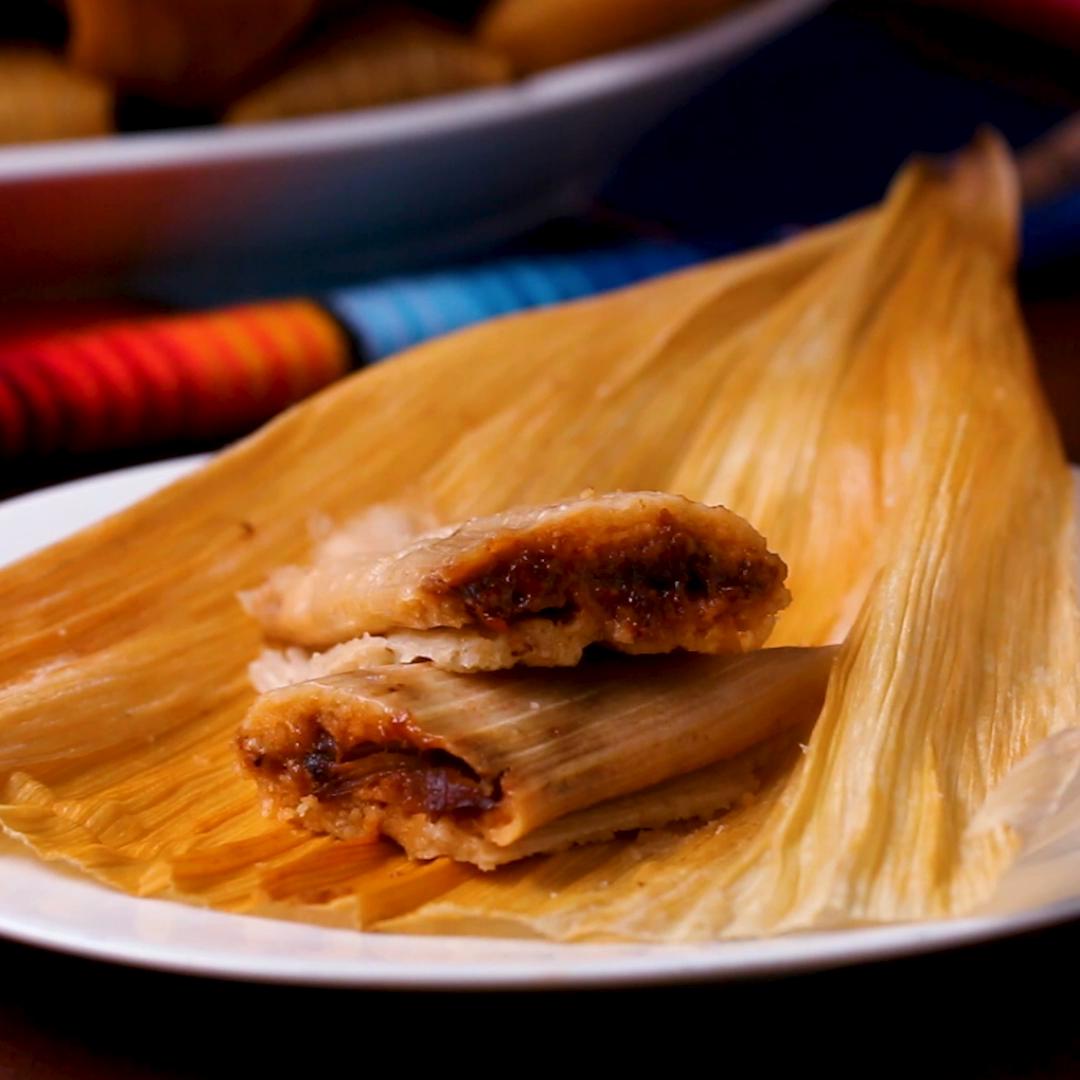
point(673, 578)
point(373, 775)
point(638, 572)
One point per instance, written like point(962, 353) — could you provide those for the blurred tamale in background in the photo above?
point(85, 67)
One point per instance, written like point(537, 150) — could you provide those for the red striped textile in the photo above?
point(143, 381)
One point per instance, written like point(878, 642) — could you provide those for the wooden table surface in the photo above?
point(1000, 1009)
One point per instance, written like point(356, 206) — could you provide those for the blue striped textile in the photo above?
point(395, 313)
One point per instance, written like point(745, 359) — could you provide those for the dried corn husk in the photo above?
point(41, 98)
point(864, 396)
point(539, 34)
point(376, 59)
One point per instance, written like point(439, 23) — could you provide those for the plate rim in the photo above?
point(623, 966)
point(592, 965)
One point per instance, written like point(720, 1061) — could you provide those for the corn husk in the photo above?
point(42, 99)
point(376, 59)
point(864, 396)
point(539, 34)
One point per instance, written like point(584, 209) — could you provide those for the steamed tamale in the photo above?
point(375, 59)
point(539, 34)
point(640, 572)
point(185, 52)
point(471, 765)
point(41, 98)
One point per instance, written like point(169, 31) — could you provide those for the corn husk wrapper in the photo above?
point(539, 34)
point(376, 59)
point(42, 99)
point(864, 396)
point(182, 52)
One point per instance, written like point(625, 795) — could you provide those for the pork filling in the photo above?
point(663, 578)
point(416, 781)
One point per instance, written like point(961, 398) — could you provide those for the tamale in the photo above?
point(864, 395)
point(183, 52)
point(41, 98)
point(641, 572)
point(375, 59)
point(122, 671)
point(470, 765)
point(539, 34)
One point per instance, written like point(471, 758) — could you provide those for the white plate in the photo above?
point(295, 203)
point(43, 904)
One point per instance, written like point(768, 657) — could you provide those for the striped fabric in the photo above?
point(139, 382)
point(399, 312)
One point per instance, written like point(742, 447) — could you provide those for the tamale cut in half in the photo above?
point(864, 394)
point(377, 58)
point(487, 768)
point(640, 572)
point(474, 765)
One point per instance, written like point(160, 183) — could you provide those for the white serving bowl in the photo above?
point(349, 193)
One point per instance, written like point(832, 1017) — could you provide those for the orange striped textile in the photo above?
point(141, 381)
